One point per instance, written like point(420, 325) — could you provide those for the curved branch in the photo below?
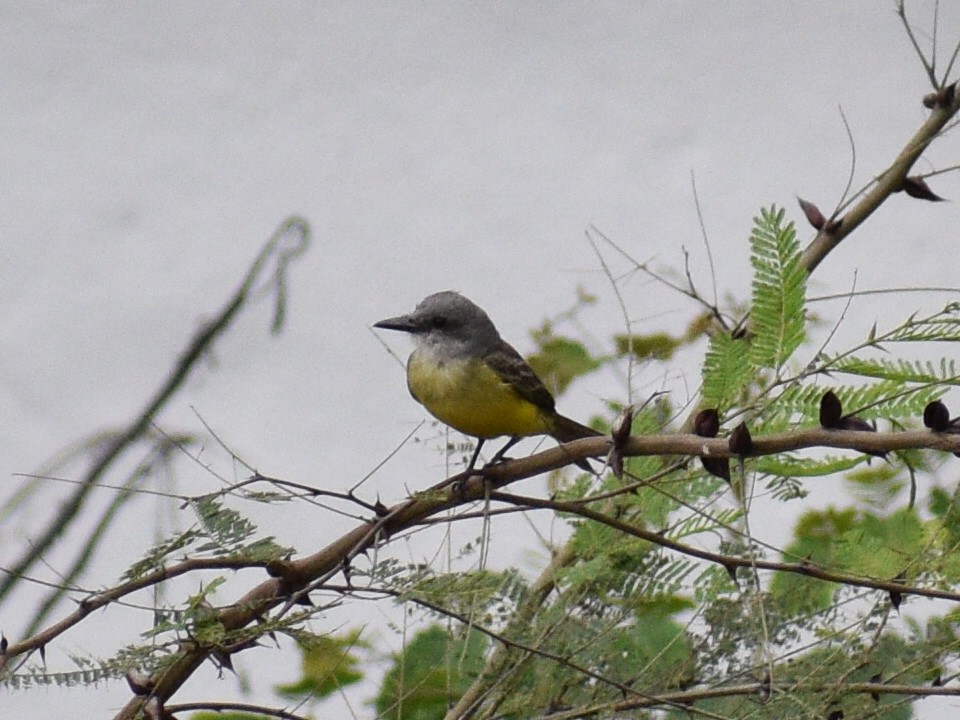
point(294, 578)
point(731, 562)
point(889, 182)
point(758, 690)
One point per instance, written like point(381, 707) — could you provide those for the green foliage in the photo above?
point(328, 664)
point(943, 326)
point(225, 529)
point(486, 596)
point(434, 669)
point(155, 556)
point(652, 346)
point(227, 532)
point(859, 543)
point(777, 318)
point(559, 361)
point(945, 507)
point(220, 531)
point(891, 659)
point(727, 371)
point(792, 466)
point(943, 372)
point(91, 671)
point(876, 486)
point(816, 536)
point(882, 547)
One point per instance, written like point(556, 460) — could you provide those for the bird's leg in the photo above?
point(476, 454)
point(458, 485)
point(502, 451)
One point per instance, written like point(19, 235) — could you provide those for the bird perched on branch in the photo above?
point(470, 378)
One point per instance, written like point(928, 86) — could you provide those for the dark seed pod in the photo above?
point(718, 467)
point(831, 410)
point(895, 599)
point(936, 416)
point(707, 423)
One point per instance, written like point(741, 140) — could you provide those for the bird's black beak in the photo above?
point(403, 323)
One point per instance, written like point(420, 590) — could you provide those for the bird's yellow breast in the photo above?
point(470, 397)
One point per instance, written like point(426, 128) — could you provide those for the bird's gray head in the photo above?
point(447, 323)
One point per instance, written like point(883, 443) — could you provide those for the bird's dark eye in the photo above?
point(438, 322)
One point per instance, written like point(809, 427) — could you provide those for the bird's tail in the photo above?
point(564, 429)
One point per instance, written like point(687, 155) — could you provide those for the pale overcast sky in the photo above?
point(149, 150)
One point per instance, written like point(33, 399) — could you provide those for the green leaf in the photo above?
point(433, 671)
point(886, 399)
point(560, 361)
point(726, 371)
point(327, 664)
point(816, 535)
point(653, 346)
point(902, 371)
point(943, 326)
point(777, 315)
point(881, 547)
point(945, 507)
point(789, 466)
point(877, 485)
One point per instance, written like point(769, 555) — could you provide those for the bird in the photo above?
point(471, 379)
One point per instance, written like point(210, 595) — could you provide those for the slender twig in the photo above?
point(927, 65)
point(806, 569)
point(196, 349)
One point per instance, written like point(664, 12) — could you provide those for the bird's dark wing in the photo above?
point(515, 371)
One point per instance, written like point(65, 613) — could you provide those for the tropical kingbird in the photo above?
point(470, 378)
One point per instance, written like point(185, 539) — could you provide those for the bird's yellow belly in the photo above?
point(470, 397)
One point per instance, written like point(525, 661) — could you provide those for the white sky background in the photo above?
point(149, 150)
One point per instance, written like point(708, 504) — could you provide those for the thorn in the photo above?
point(707, 424)
point(740, 441)
point(620, 435)
point(223, 658)
point(916, 187)
point(876, 678)
point(621, 428)
point(812, 213)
